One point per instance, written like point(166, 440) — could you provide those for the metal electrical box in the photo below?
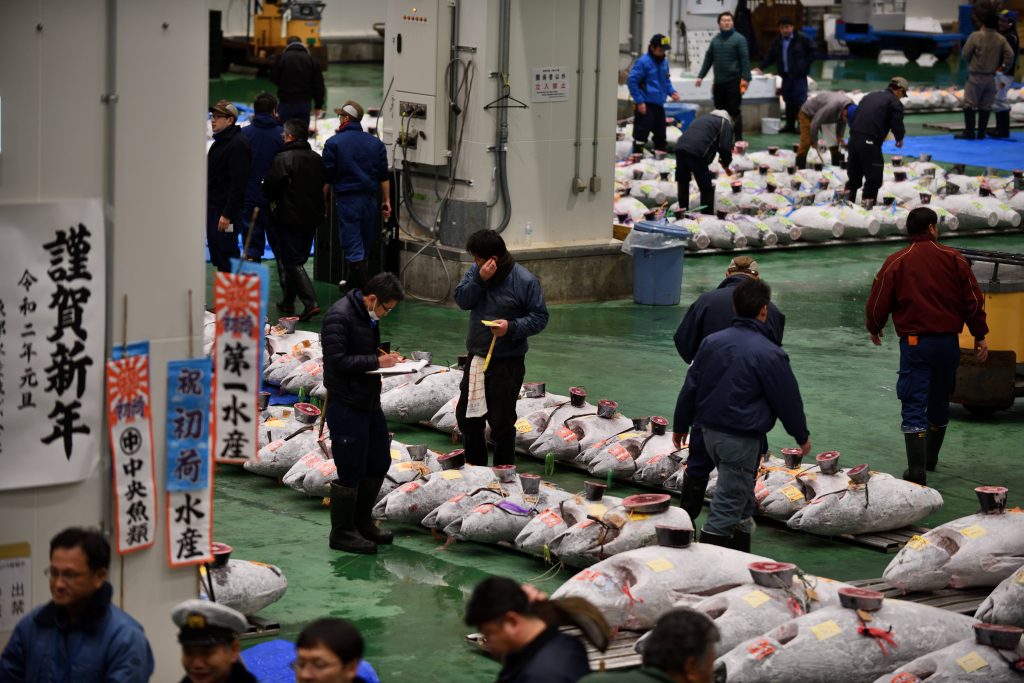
point(417, 49)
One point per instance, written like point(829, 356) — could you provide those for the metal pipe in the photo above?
point(501, 138)
point(453, 84)
point(594, 180)
point(576, 181)
point(636, 27)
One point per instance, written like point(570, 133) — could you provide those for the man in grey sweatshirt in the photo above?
point(825, 107)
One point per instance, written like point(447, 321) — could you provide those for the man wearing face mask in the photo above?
point(649, 86)
point(359, 432)
point(730, 55)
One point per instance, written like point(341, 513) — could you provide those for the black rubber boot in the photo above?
point(344, 535)
point(638, 148)
point(790, 126)
point(715, 539)
point(303, 287)
point(358, 274)
point(916, 458)
point(1002, 125)
point(737, 127)
point(691, 497)
point(836, 155)
point(287, 303)
point(366, 497)
point(933, 444)
point(740, 541)
point(969, 122)
point(801, 161)
point(983, 115)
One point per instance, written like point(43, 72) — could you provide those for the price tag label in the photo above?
point(918, 542)
point(826, 629)
point(761, 650)
point(659, 565)
point(756, 598)
point(274, 445)
point(792, 492)
point(566, 434)
point(973, 531)
point(971, 662)
point(550, 518)
point(597, 509)
point(410, 487)
point(523, 426)
point(273, 423)
point(451, 474)
point(483, 509)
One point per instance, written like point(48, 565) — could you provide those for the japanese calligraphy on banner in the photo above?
point(15, 584)
point(131, 447)
point(710, 6)
point(550, 84)
point(189, 466)
point(52, 312)
point(239, 301)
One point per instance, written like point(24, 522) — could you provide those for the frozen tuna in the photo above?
point(417, 400)
point(1005, 604)
point(966, 660)
point(549, 523)
point(575, 434)
point(411, 502)
point(246, 586)
point(504, 519)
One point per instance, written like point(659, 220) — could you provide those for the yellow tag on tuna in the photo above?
point(1020, 577)
point(523, 426)
point(826, 630)
point(756, 598)
point(660, 565)
point(917, 542)
point(973, 531)
point(971, 662)
point(396, 454)
point(274, 423)
point(597, 509)
point(451, 474)
point(792, 492)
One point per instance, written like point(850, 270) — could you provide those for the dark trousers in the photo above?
point(698, 460)
point(358, 222)
point(502, 382)
point(864, 163)
point(727, 96)
point(794, 94)
point(223, 246)
point(653, 121)
point(293, 245)
point(927, 378)
point(287, 111)
point(259, 231)
point(688, 165)
point(359, 443)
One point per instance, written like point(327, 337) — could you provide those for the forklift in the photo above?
point(269, 24)
point(984, 388)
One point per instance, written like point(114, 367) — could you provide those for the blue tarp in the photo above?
point(271, 662)
point(1005, 154)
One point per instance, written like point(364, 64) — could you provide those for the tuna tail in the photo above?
point(580, 613)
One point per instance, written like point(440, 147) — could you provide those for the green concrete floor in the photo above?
point(408, 599)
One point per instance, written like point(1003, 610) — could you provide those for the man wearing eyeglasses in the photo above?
point(359, 432)
point(79, 636)
point(227, 174)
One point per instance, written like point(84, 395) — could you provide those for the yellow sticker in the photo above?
point(490, 323)
point(405, 466)
point(274, 423)
point(523, 426)
point(756, 598)
point(792, 492)
point(451, 474)
point(396, 454)
point(971, 662)
point(826, 630)
point(597, 509)
point(918, 542)
point(1019, 578)
point(660, 565)
point(637, 516)
point(973, 531)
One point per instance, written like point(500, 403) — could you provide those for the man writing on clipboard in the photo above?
point(506, 307)
point(350, 337)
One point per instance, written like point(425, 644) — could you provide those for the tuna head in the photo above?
point(922, 564)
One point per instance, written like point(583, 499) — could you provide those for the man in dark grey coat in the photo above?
point(709, 135)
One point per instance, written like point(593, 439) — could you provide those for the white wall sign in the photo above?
point(15, 584)
point(52, 309)
point(549, 84)
point(710, 6)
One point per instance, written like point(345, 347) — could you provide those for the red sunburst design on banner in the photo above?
point(236, 295)
point(127, 380)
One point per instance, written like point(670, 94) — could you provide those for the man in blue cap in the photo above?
point(649, 86)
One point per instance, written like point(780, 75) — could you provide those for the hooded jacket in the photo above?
point(105, 646)
point(649, 81)
point(551, 657)
point(708, 135)
point(740, 382)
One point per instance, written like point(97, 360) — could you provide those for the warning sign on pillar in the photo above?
point(550, 84)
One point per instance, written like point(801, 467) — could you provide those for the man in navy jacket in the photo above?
point(739, 383)
point(792, 53)
point(499, 290)
point(649, 86)
point(356, 165)
point(227, 173)
point(264, 134)
point(712, 312)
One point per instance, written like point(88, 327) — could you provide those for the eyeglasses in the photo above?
point(387, 309)
point(317, 665)
point(56, 575)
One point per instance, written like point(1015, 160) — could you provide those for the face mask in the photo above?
point(372, 310)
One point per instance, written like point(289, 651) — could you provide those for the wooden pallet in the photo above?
point(955, 126)
point(965, 601)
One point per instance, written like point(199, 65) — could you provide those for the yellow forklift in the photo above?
point(269, 25)
point(984, 388)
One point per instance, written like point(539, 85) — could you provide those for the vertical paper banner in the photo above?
point(236, 370)
point(131, 446)
point(189, 466)
point(15, 584)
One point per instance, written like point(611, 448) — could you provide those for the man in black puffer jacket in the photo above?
point(359, 432)
point(294, 186)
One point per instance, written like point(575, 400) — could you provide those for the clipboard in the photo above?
point(403, 368)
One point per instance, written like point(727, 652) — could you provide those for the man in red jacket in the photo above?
point(931, 293)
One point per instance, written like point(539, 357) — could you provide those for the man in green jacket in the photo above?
point(730, 55)
point(680, 649)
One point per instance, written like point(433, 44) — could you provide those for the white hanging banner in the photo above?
point(15, 584)
point(236, 365)
point(710, 6)
point(52, 310)
point(131, 447)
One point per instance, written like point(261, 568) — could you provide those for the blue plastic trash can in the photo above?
point(658, 273)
